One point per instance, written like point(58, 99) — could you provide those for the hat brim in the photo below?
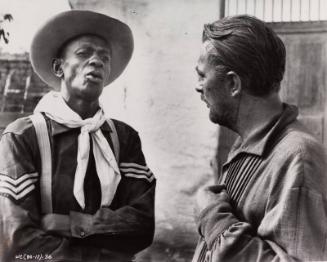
point(68, 25)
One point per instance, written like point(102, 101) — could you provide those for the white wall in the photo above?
point(27, 17)
point(156, 96)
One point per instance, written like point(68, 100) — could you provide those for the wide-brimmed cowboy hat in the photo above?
point(70, 24)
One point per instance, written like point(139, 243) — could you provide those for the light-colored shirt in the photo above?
point(277, 211)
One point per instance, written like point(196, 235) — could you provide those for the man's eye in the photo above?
point(105, 58)
point(201, 75)
point(82, 53)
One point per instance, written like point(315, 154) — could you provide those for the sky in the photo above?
point(28, 15)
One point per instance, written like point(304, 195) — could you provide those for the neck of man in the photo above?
point(256, 112)
point(84, 108)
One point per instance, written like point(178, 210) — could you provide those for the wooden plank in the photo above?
point(299, 27)
point(305, 81)
point(325, 88)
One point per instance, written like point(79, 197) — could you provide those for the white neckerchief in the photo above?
point(54, 106)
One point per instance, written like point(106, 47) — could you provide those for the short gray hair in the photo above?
point(247, 46)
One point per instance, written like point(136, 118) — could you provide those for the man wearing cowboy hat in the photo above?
point(74, 185)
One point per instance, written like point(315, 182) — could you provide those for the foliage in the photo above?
point(4, 34)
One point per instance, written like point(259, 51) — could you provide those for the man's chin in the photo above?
point(90, 95)
point(214, 118)
point(92, 90)
point(219, 120)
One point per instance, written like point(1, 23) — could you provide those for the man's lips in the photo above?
point(94, 76)
point(204, 100)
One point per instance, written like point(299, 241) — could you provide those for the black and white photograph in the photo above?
point(163, 131)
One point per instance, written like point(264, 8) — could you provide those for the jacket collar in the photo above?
point(257, 143)
point(59, 128)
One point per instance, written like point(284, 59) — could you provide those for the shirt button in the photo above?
point(82, 234)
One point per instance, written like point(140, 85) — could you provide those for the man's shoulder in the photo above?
point(299, 159)
point(124, 129)
point(20, 126)
point(298, 138)
point(299, 145)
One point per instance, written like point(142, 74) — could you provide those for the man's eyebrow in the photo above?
point(88, 47)
point(82, 47)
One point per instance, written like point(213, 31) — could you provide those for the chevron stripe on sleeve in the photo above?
point(136, 171)
point(17, 188)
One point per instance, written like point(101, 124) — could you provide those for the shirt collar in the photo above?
point(256, 144)
point(59, 128)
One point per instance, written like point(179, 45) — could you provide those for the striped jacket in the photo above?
point(276, 209)
point(113, 233)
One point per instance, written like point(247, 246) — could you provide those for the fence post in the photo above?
point(222, 8)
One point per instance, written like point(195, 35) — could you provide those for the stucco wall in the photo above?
point(156, 96)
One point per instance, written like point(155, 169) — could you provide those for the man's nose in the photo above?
point(95, 60)
point(200, 90)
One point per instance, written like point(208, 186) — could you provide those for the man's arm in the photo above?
point(20, 230)
point(128, 224)
point(127, 229)
point(294, 223)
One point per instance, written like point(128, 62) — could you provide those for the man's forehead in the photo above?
point(207, 48)
point(87, 39)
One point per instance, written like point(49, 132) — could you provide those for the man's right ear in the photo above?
point(235, 83)
point(56, 67)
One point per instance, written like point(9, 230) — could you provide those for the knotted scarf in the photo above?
point(55, 107)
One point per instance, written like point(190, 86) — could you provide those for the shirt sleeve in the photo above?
point(292, 229)
point(128, 224)
point(20, 230)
